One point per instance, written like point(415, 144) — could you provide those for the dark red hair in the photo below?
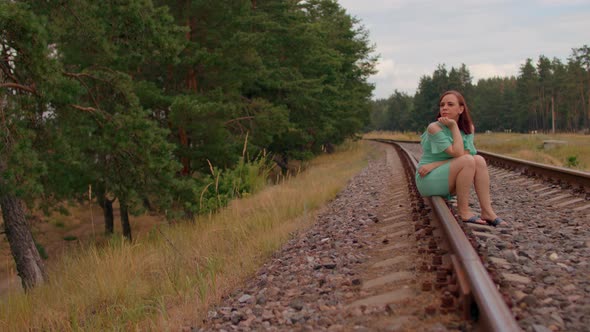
point(465, 123)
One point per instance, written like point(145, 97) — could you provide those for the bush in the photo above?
point(213, 191)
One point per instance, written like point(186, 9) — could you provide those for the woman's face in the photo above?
point(449, 107)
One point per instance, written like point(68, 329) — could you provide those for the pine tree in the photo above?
point(105, 46)
point(527, 87)
point(582, 59)
point(30, 79)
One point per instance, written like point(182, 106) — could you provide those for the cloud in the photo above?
point(357, 6)
point(379, 6)
point(562, 2)
point(492, 37)
point(487, 70)
point(396, 77)
point(385, 69)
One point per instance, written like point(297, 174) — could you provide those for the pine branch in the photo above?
point(85, 109)
point(93, 111)
point(6, 71)
point(78, 76)
point(239, 119)
point(19, 87)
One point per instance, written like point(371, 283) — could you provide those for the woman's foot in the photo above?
point(475, 219)
point(493, 220)
point(496, 222)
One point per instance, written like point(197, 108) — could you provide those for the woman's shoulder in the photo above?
point(434, 127)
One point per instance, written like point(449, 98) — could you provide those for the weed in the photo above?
point(572, 161)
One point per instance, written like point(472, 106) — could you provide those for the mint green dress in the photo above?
point(436, 183)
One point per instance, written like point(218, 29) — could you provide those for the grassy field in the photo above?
point(392, 135)
point(168, 276)
point(575, 153)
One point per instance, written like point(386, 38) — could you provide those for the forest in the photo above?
point(167, 106)
point(547, 96)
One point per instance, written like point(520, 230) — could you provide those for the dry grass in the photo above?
point(83, 224)
point(408, 136)
point(530, 147)
point(524, 146)
point(167, 278)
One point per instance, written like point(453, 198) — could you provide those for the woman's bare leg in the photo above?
point(461, 175)
point(482, 188)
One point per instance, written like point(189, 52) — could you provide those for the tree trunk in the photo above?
point(107, 211)
point(109, 219)
point(29, 265)
point(585, 112)
point(184, 160)
point(282, 161)
point(191, 85)
point(552, 115)
point(330, 148)
point(148, 205)
point(125, 219)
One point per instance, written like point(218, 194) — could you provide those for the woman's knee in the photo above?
point(467, 160)
point(480, 162)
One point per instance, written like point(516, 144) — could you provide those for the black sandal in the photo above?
point(497, 222)
point(473, 220)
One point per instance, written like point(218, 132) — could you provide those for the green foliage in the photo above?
point(288, 77)
point(394, 113)
point(207, 137)
point(221, 186)
point(572, 161)
point(32, 75)
point(493, 104)
point(137, 99)
point(70, 238)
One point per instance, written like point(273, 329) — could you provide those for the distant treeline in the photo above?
point(168, 105)
point(547, 94)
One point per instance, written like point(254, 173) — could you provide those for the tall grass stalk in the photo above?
point(167, 279)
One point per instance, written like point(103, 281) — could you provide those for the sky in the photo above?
point(491, 37)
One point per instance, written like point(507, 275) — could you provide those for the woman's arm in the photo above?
point(425, 169)
point(456, 149)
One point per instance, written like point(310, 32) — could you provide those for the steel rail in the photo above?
point(494, 313)
point(573, 177)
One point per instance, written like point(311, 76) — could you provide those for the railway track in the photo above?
point(378, 259)
point(541, 263)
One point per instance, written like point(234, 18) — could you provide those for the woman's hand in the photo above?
point(450, 123)
point(425, 169)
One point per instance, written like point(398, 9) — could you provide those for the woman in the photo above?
point(450, 165)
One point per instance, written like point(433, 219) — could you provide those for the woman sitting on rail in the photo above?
point(449, 164)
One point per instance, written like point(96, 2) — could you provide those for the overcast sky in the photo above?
point(491, 37)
